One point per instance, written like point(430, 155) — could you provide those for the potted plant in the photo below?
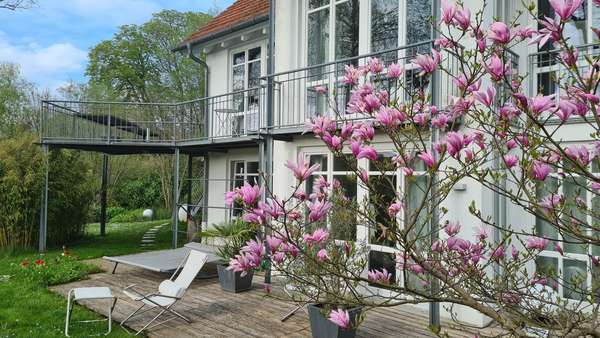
point(234, 235)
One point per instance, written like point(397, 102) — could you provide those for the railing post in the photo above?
point(44, 206)
point(103, 194)
point(175, 199)
point(434, 307)
point(108, 125)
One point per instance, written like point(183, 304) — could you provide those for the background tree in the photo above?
point(17, 4)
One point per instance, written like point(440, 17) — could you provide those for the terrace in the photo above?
point(213, 311)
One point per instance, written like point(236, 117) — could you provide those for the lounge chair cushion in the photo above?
point(171, 289)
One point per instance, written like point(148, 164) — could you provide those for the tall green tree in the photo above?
point(138, 64)
point(18, 101)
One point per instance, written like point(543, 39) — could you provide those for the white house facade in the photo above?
point(253, 89)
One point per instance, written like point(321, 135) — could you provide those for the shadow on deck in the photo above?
point(216, 313)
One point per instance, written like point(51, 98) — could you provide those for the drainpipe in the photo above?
point(191, 55)
point(268, 151)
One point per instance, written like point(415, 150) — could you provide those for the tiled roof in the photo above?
point(241, 12)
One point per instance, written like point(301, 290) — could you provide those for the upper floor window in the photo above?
point(246, 68)
point(389, 29)
point(337, 18)
point(579, 29)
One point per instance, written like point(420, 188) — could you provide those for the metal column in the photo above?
point(434, 307)
point(103, 194)
point(44, 206)
point(175, 198)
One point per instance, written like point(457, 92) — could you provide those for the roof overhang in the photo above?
point(221, 33)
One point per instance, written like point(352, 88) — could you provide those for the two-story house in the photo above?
point(264, 61)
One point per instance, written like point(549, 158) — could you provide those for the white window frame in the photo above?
point(558, 176)
point(363, 231)
point(233, 176)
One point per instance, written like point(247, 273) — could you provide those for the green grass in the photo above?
point(29, 309)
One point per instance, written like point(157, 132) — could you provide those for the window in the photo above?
point(242, 172)
point(342, 223)
point(385, 177)
point(337, 18)
point(388, 32)
point(246, 71)
point(572, 268)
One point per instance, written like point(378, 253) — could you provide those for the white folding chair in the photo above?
point(169, 291)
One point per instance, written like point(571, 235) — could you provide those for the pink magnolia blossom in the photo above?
point(498, 253)
point(341, 318)
point(448, 11)
point(322, 255)
point(408, 171)
point(317, 237)
point(549, 203)
point(481, 233)
point(230, 197)
point(514, 252)
point(380, 276)
point(272, 208)
point(565, 8)
point(352, 75)
point(566, 108)
point(274, 243)
point(395, 70)
point(551, 31)
point(569, 57)
point(427, 158)
point(579, 154)
point(387, 117)
point(367, 152)
point(375, 65)
point(254, 247)
point(320, 125)
point(347, 130)
point(596, 186)
point(595, 260)
point(559, 249)
point(427, 63)
point(499, 33)
point(536, 243)
point(486, 97)
point(525, 32)
point(394, 209)
point(452, 228)
point(249, 194)
point(455, 142)
point(440, 121)
point(510, 160)
point(539, 104)
point(255, 216)
point(462, 18)
point(301, 170)
point(364, 132)
point(243, 263)
point(320, 89)
point(496, 68)
point(540, 170)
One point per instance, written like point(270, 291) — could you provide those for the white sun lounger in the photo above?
point(165, 261)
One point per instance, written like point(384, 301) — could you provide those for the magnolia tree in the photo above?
point(493, 133)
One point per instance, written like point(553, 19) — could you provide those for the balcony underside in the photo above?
point(185, 147)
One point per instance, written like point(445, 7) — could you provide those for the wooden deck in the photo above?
point(216, 313)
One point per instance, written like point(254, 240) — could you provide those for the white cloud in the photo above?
point(105, 12)
point(44, 65)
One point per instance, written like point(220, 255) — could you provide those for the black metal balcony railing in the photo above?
point(304, 93)
point(548, 72)
point(297, 96)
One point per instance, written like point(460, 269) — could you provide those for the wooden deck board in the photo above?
point(216, 313)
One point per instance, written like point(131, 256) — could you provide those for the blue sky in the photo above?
point(50, 41)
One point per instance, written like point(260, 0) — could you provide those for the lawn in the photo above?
point(28, 309)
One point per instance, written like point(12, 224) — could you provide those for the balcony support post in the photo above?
point(175, 198)
point(434, 307)
point(103, 193)
point(44, 206)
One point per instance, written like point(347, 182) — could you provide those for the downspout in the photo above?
point(203, 63)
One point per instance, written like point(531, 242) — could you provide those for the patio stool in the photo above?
point(87, 294)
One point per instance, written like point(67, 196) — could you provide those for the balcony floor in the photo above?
point(216, 313)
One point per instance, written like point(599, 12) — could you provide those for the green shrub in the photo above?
point(22, 170)
point(142, 192)
point(234, 234)
point(52, 271)
point(129, 216)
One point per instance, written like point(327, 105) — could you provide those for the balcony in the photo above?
point(235, 117)
point(548, 71)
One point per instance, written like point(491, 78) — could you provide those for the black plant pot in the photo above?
point(322, 327)
point(233, 281)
